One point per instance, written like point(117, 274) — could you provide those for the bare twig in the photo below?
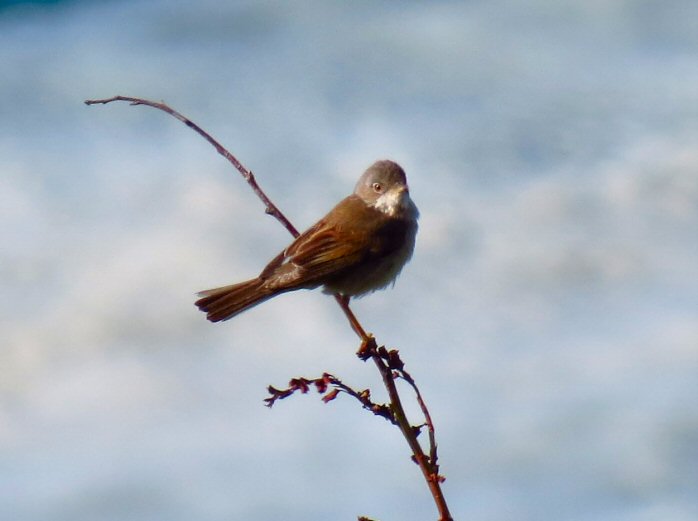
point(330, 387)
point(390, 367)
point(270, 207)
point(427, 465)
point(427, 419)
point(388, 363)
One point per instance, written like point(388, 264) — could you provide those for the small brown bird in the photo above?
point(358, 247)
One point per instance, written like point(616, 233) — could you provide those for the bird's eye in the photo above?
point(377, 187)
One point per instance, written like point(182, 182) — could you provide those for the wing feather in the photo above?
point(332, 245)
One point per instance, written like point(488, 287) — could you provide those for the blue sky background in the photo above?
point(550, 313)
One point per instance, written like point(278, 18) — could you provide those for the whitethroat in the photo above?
point(360, 246)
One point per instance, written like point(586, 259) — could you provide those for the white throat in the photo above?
point(396, 202)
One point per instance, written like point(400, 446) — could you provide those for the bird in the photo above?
point(360, 246)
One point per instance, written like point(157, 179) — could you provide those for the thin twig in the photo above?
point(428, 467)
point(330, 387)
point(270, 207)
point(247, 174)
point(427, 419)
point(369, 349)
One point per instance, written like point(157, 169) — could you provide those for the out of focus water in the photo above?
point(550, 312)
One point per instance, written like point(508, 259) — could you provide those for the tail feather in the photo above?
point(226, 302)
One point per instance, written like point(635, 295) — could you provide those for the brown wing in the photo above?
point(328, 250)
point(336, 243)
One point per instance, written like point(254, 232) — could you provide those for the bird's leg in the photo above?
point(343, 301)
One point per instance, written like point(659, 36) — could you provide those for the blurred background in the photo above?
point(550, 313)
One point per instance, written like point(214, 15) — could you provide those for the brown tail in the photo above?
point(226, 302)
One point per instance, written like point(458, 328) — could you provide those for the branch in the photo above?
point(270, 208)
point(330, 387)
point(390, 367)
point(427, 418)
point(385, 362)
point(388, 362)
